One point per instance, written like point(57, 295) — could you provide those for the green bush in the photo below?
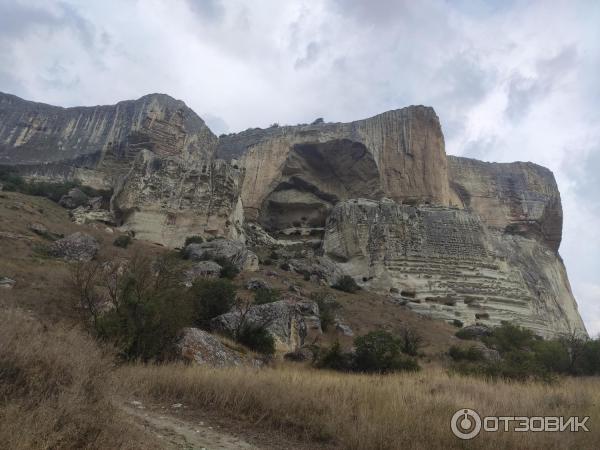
point(266, 295)
point(410, 342)
point(457, 323)
point(347, 284)
point(122, 241)
point(327, 307)
point(193, 240)
point(256, 338)
point(380, 351)
point(508, 337)
point(228, 269)
point(471, 354)
point(334, 358)
point(211, 298)
point(466, 334)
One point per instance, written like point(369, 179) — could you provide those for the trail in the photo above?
point(183, 433)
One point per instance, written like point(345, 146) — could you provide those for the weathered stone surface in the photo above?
point(296, 174)
point(448, 264)
point(166, 200)
point(75, 247)
point(75, 198)
point(86, 214)
point(519, 198)
point(202, 269)
point(283, 319)
point(7, 283)
point(234, 251)
point(203, 348)
point(255, 284)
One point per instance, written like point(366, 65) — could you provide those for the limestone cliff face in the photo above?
point(518, 198)
point(398, 154)
point(447, 263)
point(450, 237)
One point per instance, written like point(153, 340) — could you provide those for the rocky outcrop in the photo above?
point(448, 264)
point(235, 252)
point(284, 320)
point(294, 175)
point(517, 198)
point(75, 247)
point(203, 348)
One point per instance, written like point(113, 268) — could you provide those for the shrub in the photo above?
point(457, 323)
point(256, 338)
point(410, 342)
point(347, 284)
point(466, 334)
point(335, 359)
point(471, 354)
point(285, 266)
point(509, 337)
point(266, 295)
point(274, 256)
point(228, 269)
point(193, 240)
point(122, 241)
point(327, 307)
point(212, 298)
point(380, 351)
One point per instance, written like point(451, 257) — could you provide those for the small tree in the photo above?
point(266, 295)
point(347, 284)
point(380, 351)
point(212, 298)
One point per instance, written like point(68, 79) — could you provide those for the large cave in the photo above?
point(315, 176)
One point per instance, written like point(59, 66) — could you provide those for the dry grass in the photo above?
point(408, 411)
point(54, 390)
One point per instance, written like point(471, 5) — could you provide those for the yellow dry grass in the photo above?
point(403, 411)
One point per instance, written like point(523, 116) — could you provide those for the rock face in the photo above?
point(296, 174)
point(233, 251)
point(447, 263)
point(378, 199)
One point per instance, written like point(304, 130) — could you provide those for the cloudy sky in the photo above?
point(510, 80)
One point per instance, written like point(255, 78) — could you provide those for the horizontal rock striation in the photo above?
point(447, 263)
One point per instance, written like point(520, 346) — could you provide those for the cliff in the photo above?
point(449, 237)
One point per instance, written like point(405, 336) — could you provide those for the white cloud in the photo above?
point(510, 80)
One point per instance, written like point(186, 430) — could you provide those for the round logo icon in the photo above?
point(465, 424)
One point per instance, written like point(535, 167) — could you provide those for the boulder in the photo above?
point(343, 328)
point(233, 251)
point(285, 320)
point(75, 247)
point(475, 331)
point(7, 283)
point(203, 348)
point(254, 284)
point(75, 198)
point(202, 269)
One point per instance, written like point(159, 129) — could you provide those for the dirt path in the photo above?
point(178, 433)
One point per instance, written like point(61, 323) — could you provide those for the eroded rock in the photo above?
point(233, 251)
point(75, 247)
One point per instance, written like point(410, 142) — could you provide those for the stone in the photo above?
point(203, 348)
point(254, 284)
point(233, 251)
point(342, 327)
point(39, 228)
point(476, 331)
point(73, 199)
point(75, 247)
point(284, 320)
point(7, 283)
point(202, 269)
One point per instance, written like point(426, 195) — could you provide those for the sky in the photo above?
point(510, 80)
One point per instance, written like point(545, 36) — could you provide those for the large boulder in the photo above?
point(203, 348)
point(73, 199)
point(202, 269)
point(233, 251)
point(286, 321)
point(75, 247)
